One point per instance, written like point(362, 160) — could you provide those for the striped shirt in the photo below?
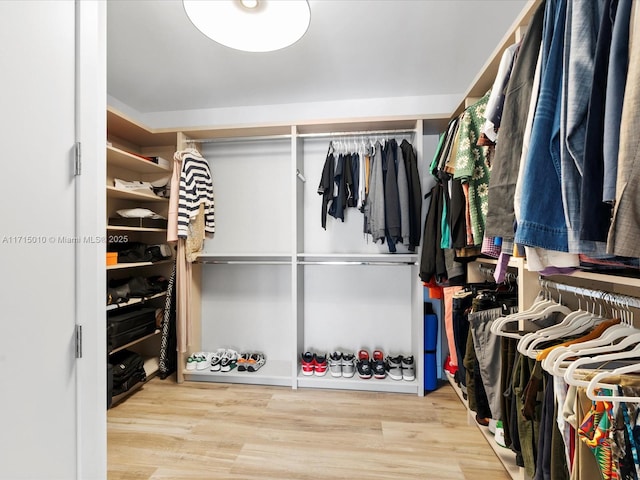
point(196, 188)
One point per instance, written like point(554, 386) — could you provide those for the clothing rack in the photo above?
point(356, 134)
point(257, 138)
point(615, 299)
point(490, 273)
point(250, 138)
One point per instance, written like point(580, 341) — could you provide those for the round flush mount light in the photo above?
point(250, 25)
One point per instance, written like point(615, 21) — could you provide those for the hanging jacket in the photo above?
point(415, 194)
point(374, 205)
point(326, 185)
point(391, 196)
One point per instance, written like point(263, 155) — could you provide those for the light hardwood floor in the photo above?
point(219, 431)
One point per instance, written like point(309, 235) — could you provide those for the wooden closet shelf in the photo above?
point(134, 162)
point(134, 342)
point(119, 228)
point(135, 301)
point(113, 192)
point(120, 266)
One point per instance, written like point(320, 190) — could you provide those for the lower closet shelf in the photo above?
point(505, 455)
point(273, 372)
point(356, 383)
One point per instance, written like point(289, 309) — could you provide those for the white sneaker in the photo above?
point(202, 360)
point(348, 365)
point(229, 360)
point(335, 364)
point(408, 369)
point(499, 435)
point(191, 363)
point(216, 359)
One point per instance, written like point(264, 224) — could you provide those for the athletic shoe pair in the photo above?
point(198, 361)
point(401, 368)
point(314, 364)
point(368, 367)
point(342, 364)
point(223, 360)
point(250, 362)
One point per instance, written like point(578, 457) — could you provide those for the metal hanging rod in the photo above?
point(356, 134)
point(285, 136)
point(347, 262)
point(490, 272)
point(251, 138)
point(609, 297)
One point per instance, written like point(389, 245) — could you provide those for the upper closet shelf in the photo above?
point(113, 192)
point(120, 158)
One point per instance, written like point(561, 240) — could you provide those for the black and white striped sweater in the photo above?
point(196, 188)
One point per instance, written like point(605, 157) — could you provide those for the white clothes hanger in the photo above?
point(498, 326)
point(574, 323)
point(524, 342)
point(555, 363)
point(570, 374)
point(596, 382)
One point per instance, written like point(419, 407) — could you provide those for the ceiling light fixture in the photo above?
point(250, 25)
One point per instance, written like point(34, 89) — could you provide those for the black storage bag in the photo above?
point(127, 370)
point(128, 326)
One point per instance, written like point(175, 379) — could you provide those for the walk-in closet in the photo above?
point(345, 239)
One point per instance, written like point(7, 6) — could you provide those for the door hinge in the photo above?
point(78, 341)
point(77, 159)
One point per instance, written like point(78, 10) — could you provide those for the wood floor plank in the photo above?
point(196, 431)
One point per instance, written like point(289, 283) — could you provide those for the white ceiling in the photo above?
point(354, 49)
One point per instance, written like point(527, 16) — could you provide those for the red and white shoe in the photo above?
point(363, 366)
point(307, 361)
point(321, 365)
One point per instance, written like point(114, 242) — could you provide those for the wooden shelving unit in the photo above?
point(127, 158)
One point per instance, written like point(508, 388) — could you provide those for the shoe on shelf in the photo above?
point(378, 366)
point(394, 367)
point(348, 365)
point(191, 363)
point(321, 366)
point(216, 360)
point(229, 360)
point(243, 361)
point(307, 363)
point(335, 364)
point(202, 361)
point(408, 369)
point(364, 365)
point(256, 361)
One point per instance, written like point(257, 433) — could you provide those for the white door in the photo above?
point(52, 419)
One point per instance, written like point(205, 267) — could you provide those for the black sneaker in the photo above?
point(364, 364)
point(378, 365)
